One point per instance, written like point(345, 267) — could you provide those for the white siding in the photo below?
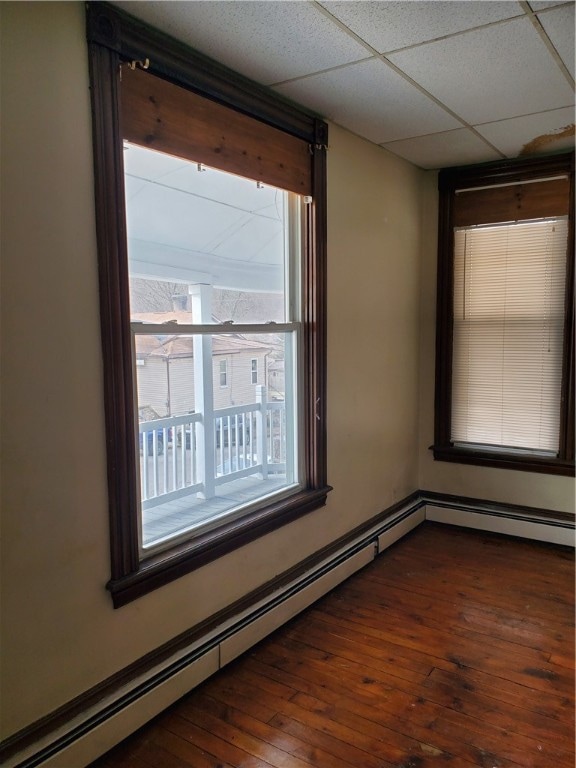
point(153, 379)
point(181, 385)
point(153, 385)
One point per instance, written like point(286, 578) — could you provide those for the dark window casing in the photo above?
point(482, 206)
point(115, 38)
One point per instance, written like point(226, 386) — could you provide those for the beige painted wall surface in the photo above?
point(61, 634)
point(501, 485)
point(373, 283)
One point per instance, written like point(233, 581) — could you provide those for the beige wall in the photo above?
point(531, 489)
point(61, 634)
point(373, 284)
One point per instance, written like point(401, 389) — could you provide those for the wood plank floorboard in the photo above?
point(454, 648)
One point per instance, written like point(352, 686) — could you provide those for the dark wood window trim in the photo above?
point(114, 37)
point(492, 174)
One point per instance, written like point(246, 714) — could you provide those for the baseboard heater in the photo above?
point(507, 519)
point(73, 742)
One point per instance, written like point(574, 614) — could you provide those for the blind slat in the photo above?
point(508, 334)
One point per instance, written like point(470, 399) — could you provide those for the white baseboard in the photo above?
point(97, 729)
point(245, 638)
point(550, 531)
point(114, 728)
point(86, 736)
point(400, 529)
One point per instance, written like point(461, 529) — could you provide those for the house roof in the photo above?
point(180, 316)
point(173, 346)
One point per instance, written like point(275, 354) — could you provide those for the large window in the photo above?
point(211, 230)
point(505, 305)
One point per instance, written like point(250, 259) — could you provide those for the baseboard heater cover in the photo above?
point(105, 728)
point(89, 735)
point(509, 520)
point(85, 737)
point(245, 638)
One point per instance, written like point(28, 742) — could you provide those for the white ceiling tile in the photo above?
point(539, 5)
point(442, 150)
point(266, 41)
point(559, 26)
point(489, 74)
point(500, 78)
point(511, 136)
point(387, 26)
point(370, 99)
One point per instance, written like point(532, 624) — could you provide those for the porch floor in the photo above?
point(172, 517)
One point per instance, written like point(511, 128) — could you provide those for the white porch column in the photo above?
point(262, 429)
point(201, 295)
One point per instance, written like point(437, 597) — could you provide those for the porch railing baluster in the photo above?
point(245, 438)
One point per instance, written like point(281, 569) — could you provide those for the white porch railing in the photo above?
point(248, 440)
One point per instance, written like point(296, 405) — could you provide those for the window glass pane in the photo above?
point(508, 334)
point(217, 427)
point(193, 225)
point(208, 452)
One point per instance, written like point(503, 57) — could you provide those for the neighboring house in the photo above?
point(165, 369)
point(276, 380)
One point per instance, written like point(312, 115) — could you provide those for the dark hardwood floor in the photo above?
point(454, 648)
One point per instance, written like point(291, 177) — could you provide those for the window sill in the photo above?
point(164, 567)
point(551, 466)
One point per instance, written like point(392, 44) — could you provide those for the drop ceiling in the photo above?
point(439, 83)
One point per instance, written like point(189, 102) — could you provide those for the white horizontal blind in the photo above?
point(509, 287)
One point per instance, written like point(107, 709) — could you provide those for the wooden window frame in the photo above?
point(482, 176)
point(114, 38)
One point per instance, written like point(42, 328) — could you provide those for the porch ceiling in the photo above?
point(192, 224)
